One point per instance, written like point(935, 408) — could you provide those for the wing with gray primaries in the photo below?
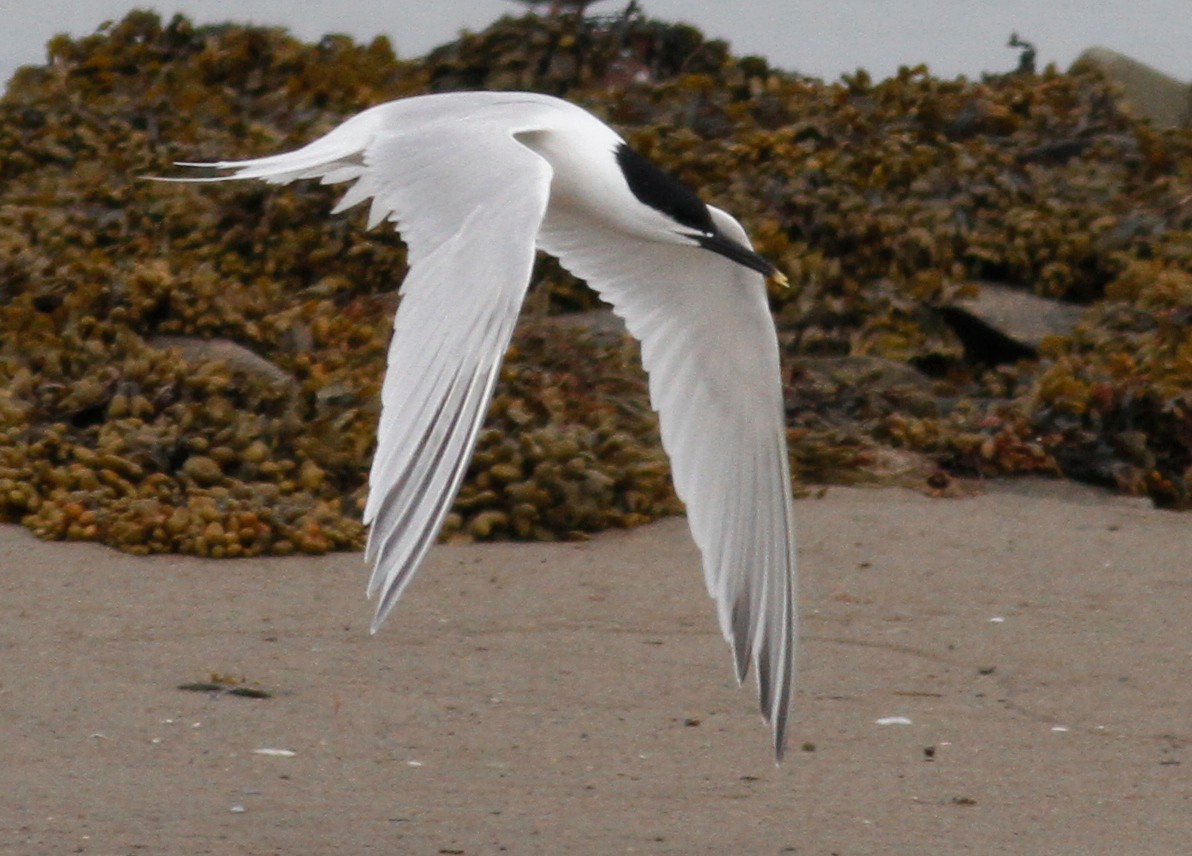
point(709, 345)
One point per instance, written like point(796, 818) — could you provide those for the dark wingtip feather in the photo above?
point(742, 644)
point(780, 732)
point(765, 692)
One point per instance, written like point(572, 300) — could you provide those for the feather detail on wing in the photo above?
point(709, 346)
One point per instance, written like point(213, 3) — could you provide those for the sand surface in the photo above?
point(578, 699)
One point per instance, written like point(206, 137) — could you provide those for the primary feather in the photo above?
point(475, 183)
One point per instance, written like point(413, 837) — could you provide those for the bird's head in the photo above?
point(690, 218)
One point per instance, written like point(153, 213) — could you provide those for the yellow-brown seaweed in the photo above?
point(880, 200)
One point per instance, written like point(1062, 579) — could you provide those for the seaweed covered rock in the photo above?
point(1115, 399)
point(882, 201)
point(197, 370)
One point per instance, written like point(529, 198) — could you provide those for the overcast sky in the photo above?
point(819, 37)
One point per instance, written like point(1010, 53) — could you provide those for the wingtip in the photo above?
point(779, 715)
point(779, 278)
point(777, 721)
point(740, 664)
point(385, 605)
point(377, 621)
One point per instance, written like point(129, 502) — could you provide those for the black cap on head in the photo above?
point(668, 195)
point(663, 192)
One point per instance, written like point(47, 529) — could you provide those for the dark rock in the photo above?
point(1003, 324)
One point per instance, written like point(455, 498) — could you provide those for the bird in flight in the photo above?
point(476, 182)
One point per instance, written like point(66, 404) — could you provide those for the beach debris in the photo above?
point(225, 685)
point(1026, 55)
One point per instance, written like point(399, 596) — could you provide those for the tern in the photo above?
point(476, 182)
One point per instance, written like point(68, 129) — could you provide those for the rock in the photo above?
point(859, 371)
point(1003, 324)
point(1153, 95)
point(196, 352)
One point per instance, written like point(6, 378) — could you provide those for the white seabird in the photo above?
point(476, 182)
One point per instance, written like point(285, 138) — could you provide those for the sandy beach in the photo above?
point(1032, 642)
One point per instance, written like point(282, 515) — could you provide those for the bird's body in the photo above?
point(476, 182)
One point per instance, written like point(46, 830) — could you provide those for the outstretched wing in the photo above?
point(468, 200)
point(709, 345)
